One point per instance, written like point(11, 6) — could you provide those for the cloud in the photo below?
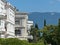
point(52, 13)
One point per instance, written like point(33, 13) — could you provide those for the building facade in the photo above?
point(21, 25)
point(7, 19)
point(13, 24)
point(29, 24)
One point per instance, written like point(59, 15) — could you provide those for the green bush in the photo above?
point(15, 41)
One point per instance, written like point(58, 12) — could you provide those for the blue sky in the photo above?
point(37, 5)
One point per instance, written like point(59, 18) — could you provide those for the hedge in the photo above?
point(15, 41)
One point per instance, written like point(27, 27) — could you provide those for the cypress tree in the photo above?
point(36, 26)
point(59, 23)
point(44, 22)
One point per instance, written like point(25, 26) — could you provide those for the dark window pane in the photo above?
point(17, 32)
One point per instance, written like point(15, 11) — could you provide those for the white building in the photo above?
point(7, 19)
point(13, 24)
point(29, 24)
point(21, 25)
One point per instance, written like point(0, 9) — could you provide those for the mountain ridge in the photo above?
point(38, 17)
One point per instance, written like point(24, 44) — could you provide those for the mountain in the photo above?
point(38, 17)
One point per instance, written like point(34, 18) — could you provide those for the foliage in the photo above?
point(35, 33)
point(11, 41)
point(51, 34)
point(15, 41)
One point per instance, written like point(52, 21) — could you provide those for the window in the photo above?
point(17, 22)
point(17, 32)
point(0, 22)
point(22, 22)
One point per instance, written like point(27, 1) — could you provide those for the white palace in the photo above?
point(13, 24)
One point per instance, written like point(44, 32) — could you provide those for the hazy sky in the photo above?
point(37, 5)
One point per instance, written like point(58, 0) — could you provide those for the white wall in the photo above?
point(29, 24)
point(10, 29)
point(11, 22)
point(2, 25)
point(2, 7)
point(10, 19)
point(10, 16)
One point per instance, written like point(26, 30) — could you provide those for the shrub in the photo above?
point(15, 41)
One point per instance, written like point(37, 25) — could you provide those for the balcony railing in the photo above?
point(18, 25)
point(3, 14)
point(3, 17)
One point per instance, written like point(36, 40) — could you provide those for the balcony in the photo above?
point(29, 37)
point(3, 17)
point(2, 31)
point(20, 26)
point(20, 16)
point(3, 14)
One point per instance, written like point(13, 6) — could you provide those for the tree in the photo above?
point(35, 33)
point(59, 23)
point(44, 22)
point(38, 33)
point(58, 33)
point(36, 26)
point(49, 34)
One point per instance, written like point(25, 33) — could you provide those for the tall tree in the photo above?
point(44, 22)
point(59, 23)
point(36, 26)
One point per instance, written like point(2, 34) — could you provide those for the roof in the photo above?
point(21, 13)
point(10, 6)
